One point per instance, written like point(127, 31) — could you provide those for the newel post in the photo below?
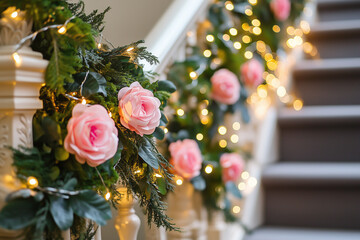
point(127, 223)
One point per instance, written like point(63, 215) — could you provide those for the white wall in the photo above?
point(128, 20)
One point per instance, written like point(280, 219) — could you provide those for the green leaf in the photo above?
point(62, 213)
point(22, 193)
point(19, 213)
point(198, 182)
point(94, 83)
point(89, 204)
point(159, 133)
point(163, 119)
point(147, 154)
point(161, 185)
point(165, 85)
point(232, 188)
point(70, 185)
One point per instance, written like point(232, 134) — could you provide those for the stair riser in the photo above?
point(328, 87)
point(321, 142)
point(341, 11)
point(314, 207)
point(336, 44)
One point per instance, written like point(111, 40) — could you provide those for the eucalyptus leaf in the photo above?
point(159, 133)
point(147, 154)
point(163, 119)
point(198, 182)
point(94, 83)
point(89, 204)
point(161, 185)
point(232, 188)
point(61, 212)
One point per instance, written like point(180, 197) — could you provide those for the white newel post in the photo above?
point(127, 223)
point(217, 226)
point(21, 76)
point(181, 210)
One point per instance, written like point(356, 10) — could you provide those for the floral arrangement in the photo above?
point(95, 131)
point(241, 39)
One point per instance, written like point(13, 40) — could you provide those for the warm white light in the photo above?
point(305, 27)
point(237, 45)
point(242, 186)
point(229, 5)
point(297, 104)
point(62, 30)
point(14, 14)
point(257, 30)
point(17, 59)
point(199, 136)
point(207, 53)
point(234, 138)
point(226, 37)
point(204, 112)
point(236, 126)
point(210, 38)
point(222, 143)
point(180, 112)
point(245, 175)
point(256, 22)
point(130, 49)
point(107, 195)
point(179, 181)
point(246, 39)
point(166, 130)
point(252, 182)
point(248, 55)
point(209, 169)
point(32, 182)
point(276, 28)
point(248, 12)
point(99, 45)
point(157, 175)
point(233, 31)
point(252, 2)
point(290, 30)
point(261, 91)
point(193, 75)
point(236, 209)
point(281, 91)
point(83, 102)
point(110, 114)
point(222, 130)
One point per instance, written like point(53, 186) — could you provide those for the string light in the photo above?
point(204, 120)
point(193, 75)
point(272, 64)
point(223, 143)
point(298, 40)
point(236, 126)
point(107, 196)
point(241, 186)
point(248, 12)
point(291, 43)
point(226, 37)
point(257, 30)
point(245, 27)
point(261, 91)
point(276, 28)
point(307, 47)
point(246, 39)
point(234, 138)
point(236, 209)
point(157, 175)
point(83, 102)
point(245, 175)
point(99, 45)
point(281, 91)
point(207, 53)
point(233, 31)
point(180, 112)
point(290, 30)
point(14, 14)
point(305, 26)
point(204, 112)
point(256, 22)
point(62, 30)
point(110, 114)
point(179, 181)
point(252, 2)
point(297, 104)
point(298, 32)
point(209, 169)
point(210, 38)
point(32, 182)
point(229, 5)
point(268, 56)
point(199, 136)
point(17, 59)
point(252, 182)
point(166, 130)
point(237, 45)
point(130, 49)
point(248, 55)
point(260, 46)
point(222, 130)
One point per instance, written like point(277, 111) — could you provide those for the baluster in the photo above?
point(127, 223)
point(217, 226)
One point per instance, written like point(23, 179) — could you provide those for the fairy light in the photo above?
point(204, 120)
point(236, 209)
point(207, 53)
point(210, 38)
point(17, 59)
point(236, 126)
point(234, 138)
point(252, 182)
point(204, 112)
point(298, 32)
point(62, 30)
point(180, 112)
point(229, 5)
point(256, 22)
point(268, 56)
point(272, 64)
point(99, 45)
point(291, 43)
point(246, 39)
point(157, 175)
point(110, 114)
point(226, 37)
point(290, 30)
point(248, 12)
point(260, 46)
point(14, 14)
point(248, 55)
point(166, 130)
point(245, 26)
point(179, 181)
point(107, 196)
point(276, 28)
point(237, 45)
point(241, 186)
point(199, 136)
point(245, 175)
point(257, 30)
point(222, 130)
point(223, 143)
point(305, 26)
point(281, 91)
point(83, 102)
point(252, 2)
point(32, 182)
point(209, 168)
point(307, 47)
point(193, 75)
point(233, 31)
point(297, 104)
point(130, 49)
point(298, 40)
point(261, 91)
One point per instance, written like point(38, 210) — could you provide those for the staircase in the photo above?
point(313, 191)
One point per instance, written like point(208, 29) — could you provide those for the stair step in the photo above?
point(328, 81)
point(320, 134)
point(312, 195)
point(278, 233)
point(336, 39)
point(333, 10)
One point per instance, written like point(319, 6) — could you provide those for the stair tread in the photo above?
point(314, 113)
point(335, 26)
point(312, 173)
point(320, 3)
point(337, 64)
point(281, 233)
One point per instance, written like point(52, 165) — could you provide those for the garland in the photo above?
point(89, 137)
point(220, 77)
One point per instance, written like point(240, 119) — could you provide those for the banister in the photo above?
point(170, 31)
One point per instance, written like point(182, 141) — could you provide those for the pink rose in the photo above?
point(92, 135)
point(281, 9)
point(186, 158)
point(139, 109)
point(251, 73)
point(225, 87)
point(232, 165)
